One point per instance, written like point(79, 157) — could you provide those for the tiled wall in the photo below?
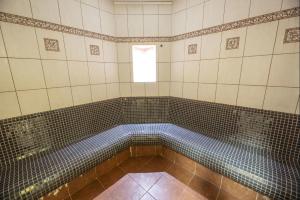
point(250, 66)
point(143, 21)
point(43, 70)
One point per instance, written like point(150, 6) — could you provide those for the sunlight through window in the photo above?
point(144, 63)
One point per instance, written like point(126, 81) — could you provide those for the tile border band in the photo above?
point(27, 21)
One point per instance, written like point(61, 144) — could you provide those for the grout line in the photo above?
point(65, 49)
point(39, 50)
point(243, 56)
point(9, 65)
point(220, 47)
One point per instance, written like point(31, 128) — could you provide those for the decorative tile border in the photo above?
point(232, 43)
point(51, 44)
point(192, 49)
point(292, 35)
point(94, 50)
point(26, 21)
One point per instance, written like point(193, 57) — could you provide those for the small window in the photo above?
point(144, 63)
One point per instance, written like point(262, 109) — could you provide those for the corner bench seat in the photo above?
point(35, 176)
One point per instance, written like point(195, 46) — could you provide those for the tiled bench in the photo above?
point(36, 176)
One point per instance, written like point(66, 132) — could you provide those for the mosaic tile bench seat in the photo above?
point(43, 151)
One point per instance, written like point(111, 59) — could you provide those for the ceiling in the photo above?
point(143, 1)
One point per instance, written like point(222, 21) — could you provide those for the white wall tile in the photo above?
point(285, 70)
point(207, 92)
point(176, 89)
point(2, 47)
point(109, 51)
point(125, 72)
point(191, 41)
point(226, 94)
point(41, 35)
point(120, 9)
point(191, 71)
point(190, 90)
point(9, 106)
point(93, 3)
point(56, 73)
point(164, 25)
point(179, 5)
point(151, 89)
point(46, 10)
point(97, 42)
point(124, 52)
point(177, 50)
point(106, 5)
point(20, 45)
point(191, 3)
point(164, 71)
point(112, 90)
point(280, 46)
point(33, 101)
point(164, 52)
point(6, 81)
point(111, 71)
point(164, 9)
point(90, 18)
point(121, 25)
point(98, 92)
point(60, 97)
point(177, 71)
point(164, 88)
point(286, 4)
point(251, 96)
point(79, 73)
point(70, 12)
point(81, 95)
point(17, 7)
point(125, 89)
point(27, 74)
point(241, 33)
point(75, 47)
point(259, 7)
point(236, 10)
point(281, 99)
point(134, 9)
point(211, 46)
point(179, 23)
point(194, 18)
point(213, 13)
point(107, 23)
point(229, 70)
point(150, 9)
point(208, 71)
point(260, 39)
point(138, 89)
point(255, 70)
point(150, 25)
point(97, 72)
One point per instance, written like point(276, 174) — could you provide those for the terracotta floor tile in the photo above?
point(189, 194)
point(112, 177)
point(180, 173)
point(89, 192)
point(146, 180)
point(203, 187)
point(147, 196)
point(157, 164)
point(208, 174)
point(237, 190)
point(167, 188)
point(133, 165)
point(223, 195)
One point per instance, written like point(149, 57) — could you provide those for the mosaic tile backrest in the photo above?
point(256, 130)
